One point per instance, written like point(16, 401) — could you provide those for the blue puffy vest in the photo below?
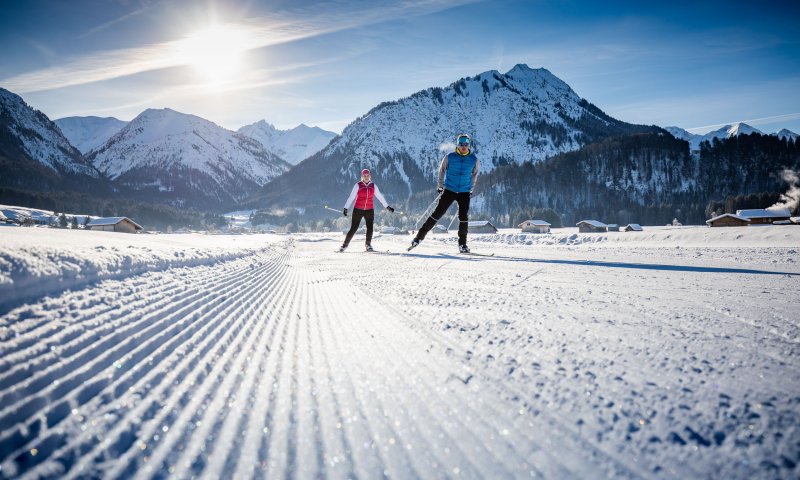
point(458, 176)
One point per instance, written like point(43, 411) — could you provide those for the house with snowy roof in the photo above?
point(633, 227)
point(612, 227)
point(728, 220)
point(481, 226)
point(114, 224)
point(393, 231)
point(761, 216)
point(591, 226)
point(535, 226)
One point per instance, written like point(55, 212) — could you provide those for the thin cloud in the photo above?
point(121, 19)
point(260, 32)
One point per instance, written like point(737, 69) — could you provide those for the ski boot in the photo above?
point(463, 249)
point(369, 248)
point(414, 244)
point(341, 249)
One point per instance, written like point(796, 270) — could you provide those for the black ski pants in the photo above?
point(445, 200)
point(357, 215)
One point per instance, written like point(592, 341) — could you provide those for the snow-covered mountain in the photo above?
point(186, 160)
point(88, 133)
point(292, 145)
point(786, 133)
point(727, 131)
point(522, 116)
point(34, 154)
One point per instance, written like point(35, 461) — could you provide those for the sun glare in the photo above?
point(214, 52)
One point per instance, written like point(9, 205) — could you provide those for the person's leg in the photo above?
point(355, 220)
point(463, 217)
point(444, 203)
point(369, 216)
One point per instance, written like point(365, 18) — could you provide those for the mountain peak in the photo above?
point(291, 145)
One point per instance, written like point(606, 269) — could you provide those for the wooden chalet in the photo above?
point(481, 226)
point(633, 227)
point(591, 226)
point(763, 216)
point(114, 224)
point(728, 220)
point(535, 226)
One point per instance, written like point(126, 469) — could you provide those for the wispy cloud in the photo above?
point(258, 32)
point(147, 5)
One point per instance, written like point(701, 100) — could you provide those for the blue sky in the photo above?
point(697, 66)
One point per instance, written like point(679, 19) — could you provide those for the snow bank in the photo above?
point(687, 236)
point(35, 262)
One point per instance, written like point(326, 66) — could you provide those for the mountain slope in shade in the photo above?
point(522, 116)
point(186, 160)
point(786, 133)
point(35, 155)
point(292, 145)
point(88, 133)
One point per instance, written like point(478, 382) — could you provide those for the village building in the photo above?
point(535, 226)
point(633, 227)
point(393, 231)
point(612, 227)
point(114, 224)
point(728, 220)
point(763, 216)
point(591, 226)
point(439, 229)
point(481, 226)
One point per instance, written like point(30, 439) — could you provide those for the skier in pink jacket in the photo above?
point(361, 199)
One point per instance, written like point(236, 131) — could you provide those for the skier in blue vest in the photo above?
point(457, 174)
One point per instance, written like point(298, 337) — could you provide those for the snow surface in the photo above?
point(668, 353)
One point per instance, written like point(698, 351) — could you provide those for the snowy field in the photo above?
point(668, 353)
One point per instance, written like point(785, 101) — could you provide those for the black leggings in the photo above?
point(358, 214)
point(447, 199)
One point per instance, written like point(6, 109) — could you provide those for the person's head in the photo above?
point(365, 175)
point(463, 144)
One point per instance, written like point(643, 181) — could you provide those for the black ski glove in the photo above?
point(439, 190)
point(390, 209)
point(344, 212)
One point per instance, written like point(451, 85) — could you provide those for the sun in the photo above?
point(214, 52)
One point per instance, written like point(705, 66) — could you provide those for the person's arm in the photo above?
point(379, 196)
point(352, 198)
point(442, 170)
point(475, 173)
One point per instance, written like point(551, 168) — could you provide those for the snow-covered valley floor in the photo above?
point(669, 353)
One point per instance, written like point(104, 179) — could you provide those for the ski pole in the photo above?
point(435, 200)
point(451, 221)
point(331, 209)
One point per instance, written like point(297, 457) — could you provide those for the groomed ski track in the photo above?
point(292, 361)
point(262, 366)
